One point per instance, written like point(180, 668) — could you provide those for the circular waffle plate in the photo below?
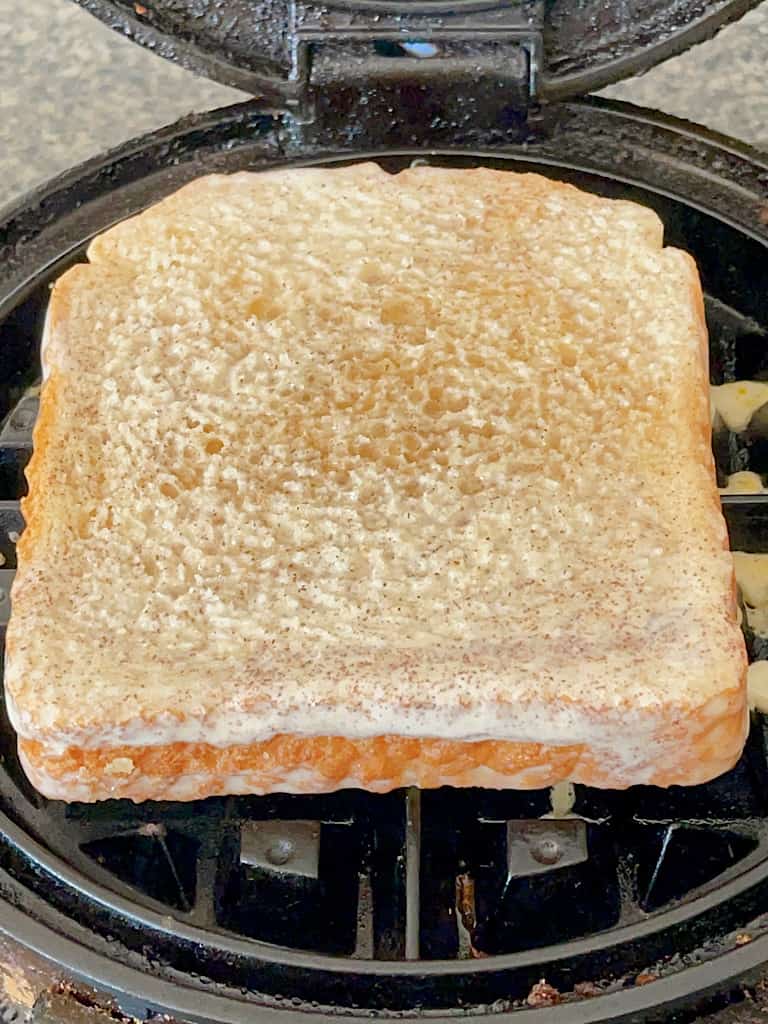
point(674, 884)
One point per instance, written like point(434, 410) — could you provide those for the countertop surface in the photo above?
point(70, 88)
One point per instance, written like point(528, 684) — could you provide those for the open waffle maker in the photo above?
point(639, 905)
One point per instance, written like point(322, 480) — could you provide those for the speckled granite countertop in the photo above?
point(70, 88)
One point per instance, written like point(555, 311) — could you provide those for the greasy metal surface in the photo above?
point(247, 43)
point(6, 578)
point(285, 847)
point(536, 847)
point(17, 427)
point(412, 874)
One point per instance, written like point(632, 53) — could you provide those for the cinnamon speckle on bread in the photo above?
point(334, 453)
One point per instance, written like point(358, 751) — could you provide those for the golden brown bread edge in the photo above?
point(700, 747)
point(703, 742)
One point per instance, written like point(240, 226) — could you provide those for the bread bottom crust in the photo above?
point(321, 764)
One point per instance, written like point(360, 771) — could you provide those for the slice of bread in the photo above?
point(344, 478)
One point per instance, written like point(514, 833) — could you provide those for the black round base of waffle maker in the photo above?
point(403, 904)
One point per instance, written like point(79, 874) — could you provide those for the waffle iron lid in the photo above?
point(553, 49)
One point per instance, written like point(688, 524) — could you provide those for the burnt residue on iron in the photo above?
point(247, 43)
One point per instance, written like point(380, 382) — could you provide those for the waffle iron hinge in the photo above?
point(368, 48)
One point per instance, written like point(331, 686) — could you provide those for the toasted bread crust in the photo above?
point(697, 751)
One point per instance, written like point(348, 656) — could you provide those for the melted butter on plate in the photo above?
point(744, 482)
point(737, 402)
point(757, 686)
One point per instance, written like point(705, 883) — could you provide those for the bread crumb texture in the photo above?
point(334, 452)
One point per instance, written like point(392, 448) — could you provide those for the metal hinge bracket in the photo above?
point(409, 43)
